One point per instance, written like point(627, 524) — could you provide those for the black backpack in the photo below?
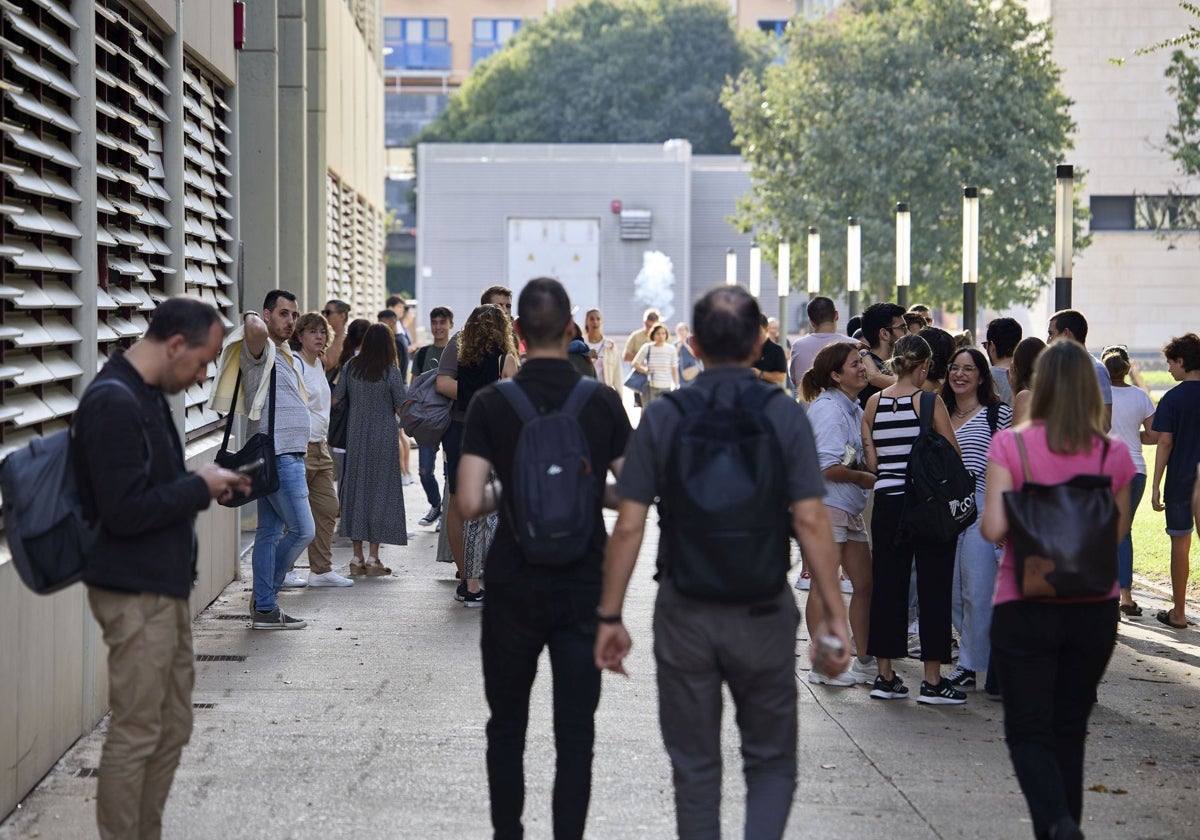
point(552, 503)
point(939, 491)
point(724, 503)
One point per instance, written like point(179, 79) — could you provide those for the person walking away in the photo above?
point(137, 492)
point(372, 488)
point(1132, 424)
point(607, 358)
point(310, 341)
point(1177, 421)
point(659, 361)
point(425, 359)
point(726, 631)
point(1051, 655)
point(531, 605)
point(831, 385)
point(822, 319)
point(891, 424)
point(1001, 340)
point(285, 522)
point(976, 414)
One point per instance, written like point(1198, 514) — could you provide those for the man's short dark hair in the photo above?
point(1185, 348)
point(763, 320)
point(385, 315)
point(821, 310)
point(273, 296)
point(651, 314)
point(726, 322)
point(442, 312)
point(1073, 320)
point(494, 291)
point(187, 316)
point(879, 316)
point(393, 300)
point(1004, 334)
point(544, 310)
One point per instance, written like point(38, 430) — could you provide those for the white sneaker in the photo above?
point(841, 680)
point(330, 578)
point(847, 586)
point(408, 479)
point(863, 673)
point(294, 581)
point(804, 582)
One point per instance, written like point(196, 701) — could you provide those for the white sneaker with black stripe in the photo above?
point(942, 694)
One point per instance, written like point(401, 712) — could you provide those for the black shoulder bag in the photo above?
point(1064, 536)
point(257, 457)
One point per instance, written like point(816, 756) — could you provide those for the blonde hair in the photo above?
point(1066, 398)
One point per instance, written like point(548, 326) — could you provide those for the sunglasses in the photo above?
point(1121, 350)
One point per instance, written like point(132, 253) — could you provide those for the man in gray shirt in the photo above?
point(1003, 336)
point(274, 551)
point(700, 643)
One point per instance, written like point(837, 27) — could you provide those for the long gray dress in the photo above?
point(372, 487)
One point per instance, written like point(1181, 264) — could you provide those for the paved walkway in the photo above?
point(370, 724)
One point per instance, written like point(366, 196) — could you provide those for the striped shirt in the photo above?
point(975, 438)
point(660, 361)
point(896, 429)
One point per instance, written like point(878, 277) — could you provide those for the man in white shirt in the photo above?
point(823, 318)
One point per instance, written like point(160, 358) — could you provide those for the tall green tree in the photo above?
point(910, 100)
point(602, 71)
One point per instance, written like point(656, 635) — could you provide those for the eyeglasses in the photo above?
point(901, 327)
point(963, 369)
point(326, 312)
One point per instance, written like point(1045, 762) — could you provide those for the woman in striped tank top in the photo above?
point(891, 424)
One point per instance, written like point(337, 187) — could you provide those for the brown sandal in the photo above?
point(357, 567)
point(374, 568)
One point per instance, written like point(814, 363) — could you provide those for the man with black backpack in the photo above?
point(733, 465)
point(552, 437)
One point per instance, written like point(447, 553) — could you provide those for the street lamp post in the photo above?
point(970, 255)
point(784, 274)
point(730, 267)
point(755, 271)
point(1064, 234)
point(814, 262)
point(853, 263)
point(903, 252)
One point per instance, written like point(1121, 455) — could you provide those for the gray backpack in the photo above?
point(425, 414)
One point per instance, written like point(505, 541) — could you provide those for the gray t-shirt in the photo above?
point(448, 366)
point(640, 478)
point(291, 411)
point(1003, 386)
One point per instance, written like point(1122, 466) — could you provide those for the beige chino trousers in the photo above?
point(323, 501)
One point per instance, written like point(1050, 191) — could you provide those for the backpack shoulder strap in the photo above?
point(580, 394)
point(518, 399)
point(1028, 476)
point(685, 400)
point(927, 408)
point(993, 417)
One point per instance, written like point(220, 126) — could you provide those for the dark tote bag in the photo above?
point(259, 448)
point(1064, 536)
point(339, 421)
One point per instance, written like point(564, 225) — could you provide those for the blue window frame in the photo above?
point(415, 44)
point(489, 35)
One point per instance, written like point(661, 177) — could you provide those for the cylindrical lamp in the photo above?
point(814, 261)
point(970, 255)
point(755, 271)
point(1064, 234)
point(853, 263)
point(730, 267)
point(903, 252)
point(783, 274)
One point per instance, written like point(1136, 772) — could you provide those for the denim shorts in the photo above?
point(1180, 521)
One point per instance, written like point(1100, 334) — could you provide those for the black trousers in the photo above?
point(519, 619)
point(891, 566)
point(1050, 658)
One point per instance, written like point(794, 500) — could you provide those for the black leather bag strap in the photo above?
point(237, 386)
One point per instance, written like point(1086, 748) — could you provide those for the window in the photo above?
point(1112, 212)
point(490, 34)
point(415, 44)
point(773, 27)
point(1145, 212)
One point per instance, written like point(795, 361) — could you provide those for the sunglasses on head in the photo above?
point(1121, 350)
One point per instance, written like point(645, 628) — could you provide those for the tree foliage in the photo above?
point(910, 100)
point(603, 71)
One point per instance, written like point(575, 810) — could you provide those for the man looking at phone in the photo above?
point(137, 490)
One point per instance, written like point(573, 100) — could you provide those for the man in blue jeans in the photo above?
point(264, 347)
point(427, 358)
point(531, 606)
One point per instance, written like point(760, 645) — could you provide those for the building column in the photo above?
point(293, 152)
point(317, 160)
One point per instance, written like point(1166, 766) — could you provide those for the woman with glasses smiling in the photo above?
point(976, 413)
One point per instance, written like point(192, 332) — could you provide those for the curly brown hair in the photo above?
point(487, 331)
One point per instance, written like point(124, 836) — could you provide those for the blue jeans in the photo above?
point(426, 457)
point(275, 551)
point(974, 585)
point(1125, 549)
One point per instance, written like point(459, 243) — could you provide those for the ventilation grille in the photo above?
point(635, 224)
point(220, 657)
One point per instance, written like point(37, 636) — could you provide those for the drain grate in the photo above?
point(232, 617)
point(204, 705)
point(220, 657)
point(86, 773)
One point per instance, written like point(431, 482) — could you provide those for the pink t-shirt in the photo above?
point(1048, 467)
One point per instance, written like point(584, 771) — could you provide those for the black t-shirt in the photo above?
point(402, 356)
point(491, 432)
point(866, 393)
point(773, 358)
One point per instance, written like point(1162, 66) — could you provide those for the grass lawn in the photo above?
point(1151, 545)
point(1158, 380)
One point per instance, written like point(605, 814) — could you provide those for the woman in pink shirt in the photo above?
point(1050, 655)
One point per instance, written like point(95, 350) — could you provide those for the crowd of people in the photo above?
point(745, 442)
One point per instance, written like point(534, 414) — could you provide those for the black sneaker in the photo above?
point(942, 694)
point(472, 599)
point(961, 677)
point(276, 619)
point(460, 592)
point(893, 689)
point(430, 517)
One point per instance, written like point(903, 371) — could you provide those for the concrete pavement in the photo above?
point(370, 724)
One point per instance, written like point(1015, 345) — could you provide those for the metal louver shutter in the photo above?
point(333, 236)
point(38, 221)
point(131, 195)
point(206, 193)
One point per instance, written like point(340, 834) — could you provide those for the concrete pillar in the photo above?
point(83, 111)
point(173, 165)
point(293, 152)
point(258, 152)
point(318, 161)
